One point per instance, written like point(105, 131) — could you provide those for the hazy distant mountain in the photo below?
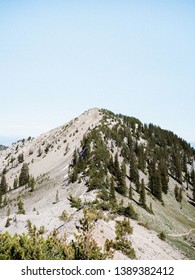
point(110, 178)
point(2, 147)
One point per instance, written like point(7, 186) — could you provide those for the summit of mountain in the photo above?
point(112, 167)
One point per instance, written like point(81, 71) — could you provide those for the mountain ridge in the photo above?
point(81, 165)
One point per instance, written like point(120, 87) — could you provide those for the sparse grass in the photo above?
point(183, 246)
point(64, 216)
point(145, 225)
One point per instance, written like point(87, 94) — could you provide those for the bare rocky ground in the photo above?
point(48, 158)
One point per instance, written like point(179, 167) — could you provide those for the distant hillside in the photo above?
point(2, 147)
point(126, 187)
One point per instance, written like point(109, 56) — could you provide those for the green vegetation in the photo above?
point(122, 143)
point(24, 175)
point(21, 209)
point(121, 242)
point(33, 246)
point(126, 164)
point(178, 193)
point(64, 216)
point(75, 202)
point(3, 185)
point(162, 235)
point(31, 183)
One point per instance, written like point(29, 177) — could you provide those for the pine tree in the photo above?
point(3, 185)
point(133, 171)
point(31, 183)
point(21, 158)
point(21, 207)
point(111, 165)
point(154, 182)
point(121, 178)
point(1, 199)
point(141, 158)
point(24, 175)
point(130, 192)
point(180, 196)
point(158, 186)
point(75, 157)
point(164, 178)
point(176, 165)
point(193, 191)
point(142, 199)
point(116, 166)
point(192, 177)
point(112, 196)
point(151, 170)
point(178, 193)
point(15, 184)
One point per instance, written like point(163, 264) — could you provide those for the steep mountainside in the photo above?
point(133, 183)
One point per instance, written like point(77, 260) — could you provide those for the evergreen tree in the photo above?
point(141, 158)
point(193, 191)
point(74, 175)
point(111, 165)
point(133, 171)
point(3, 185)
point(178, 193)
point(75, 157)
point(1, 200)
point(130, 192)
point(121, 178)
point(151, 171)
point(154, 182)
point(116, 166)
point(151, 208)
point(142, 199)
point(193, 183)
point(192, 176)
point(137, 185)
point(21, 158)
point(112, 196)
point(21, 207)
point(158, 186)
point(31, 183)
point(176, 165)
point(15, 184)
point(24, 175)
point(164, 178)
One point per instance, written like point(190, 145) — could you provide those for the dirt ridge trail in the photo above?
point(182, 234)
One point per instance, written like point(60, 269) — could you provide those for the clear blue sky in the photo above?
point(59, 58)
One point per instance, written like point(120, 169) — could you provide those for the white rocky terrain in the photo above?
point(48, 157)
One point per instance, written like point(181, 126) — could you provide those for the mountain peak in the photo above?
point(112, 169)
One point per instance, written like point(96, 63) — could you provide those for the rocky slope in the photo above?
point(76, 162)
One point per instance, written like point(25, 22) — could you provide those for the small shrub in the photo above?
point(64, 216)
point(21, 207)
point(162, 235)
point(75, 202)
